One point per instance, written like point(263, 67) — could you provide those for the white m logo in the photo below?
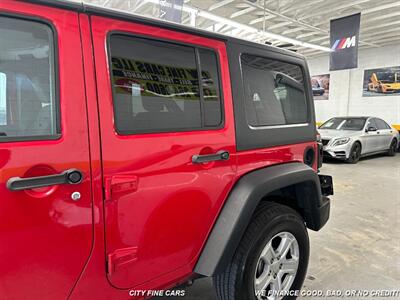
point(350, 42)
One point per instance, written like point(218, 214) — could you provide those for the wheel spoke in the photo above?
point(277, 285)
point(287, 282)
point(289, 266)
point(263, 281)
point(268, 254)
point(284, 246)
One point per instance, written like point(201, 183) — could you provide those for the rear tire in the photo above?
point(272, 226)
point(355, 153)
point(393, 148)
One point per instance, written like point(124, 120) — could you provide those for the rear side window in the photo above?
point(381, 124)
point(274, 92)
point(163, 87)
point(27, 81)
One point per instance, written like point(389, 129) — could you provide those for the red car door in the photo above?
point(45, 190)
point(168, 146)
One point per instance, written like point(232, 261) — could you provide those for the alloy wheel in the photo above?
point(276, 267)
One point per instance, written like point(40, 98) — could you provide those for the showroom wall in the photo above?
point(346, 87)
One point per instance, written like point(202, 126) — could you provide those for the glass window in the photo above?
point(352, 124)
point(27, 89)
point(381, 124)
point(344, 124)
point(274, 92)
point(372, 123)
point(210, 88)
point(334, 123)
point(156, 86)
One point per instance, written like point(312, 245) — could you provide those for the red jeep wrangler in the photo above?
point(137, 155)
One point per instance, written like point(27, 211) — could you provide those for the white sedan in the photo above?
point(349, 138)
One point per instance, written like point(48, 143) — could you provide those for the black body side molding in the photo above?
point(243, 200)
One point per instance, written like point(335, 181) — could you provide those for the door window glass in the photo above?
point(156, 86)
point(372, 123)
point(27, 80)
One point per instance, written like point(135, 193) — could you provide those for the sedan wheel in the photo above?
point(355, 154)
point(392, 149)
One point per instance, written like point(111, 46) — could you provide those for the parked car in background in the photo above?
point(317, 90)
point(384, 82)
point(349, 138)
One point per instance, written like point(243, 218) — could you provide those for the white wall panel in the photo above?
point(345, 95)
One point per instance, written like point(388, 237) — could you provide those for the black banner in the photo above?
point(171, 10)
point(344, 42)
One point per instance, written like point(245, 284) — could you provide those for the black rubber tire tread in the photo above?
point(226, 284)
point(392, 152)
point(350, 160)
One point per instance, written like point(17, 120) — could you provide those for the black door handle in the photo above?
point(220, 155)
point(71, 176)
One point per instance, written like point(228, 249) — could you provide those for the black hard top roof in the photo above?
point(95, 10)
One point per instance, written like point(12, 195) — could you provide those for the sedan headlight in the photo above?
point(340, 141)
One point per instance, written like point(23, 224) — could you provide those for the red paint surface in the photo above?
point(170, 214)
point(158, 222)
point(45, 237)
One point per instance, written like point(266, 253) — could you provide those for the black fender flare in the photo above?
point(242, 201)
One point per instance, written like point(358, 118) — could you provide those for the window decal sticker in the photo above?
point(149, 79)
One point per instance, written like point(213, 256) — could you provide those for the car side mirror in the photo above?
point(371, 128)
